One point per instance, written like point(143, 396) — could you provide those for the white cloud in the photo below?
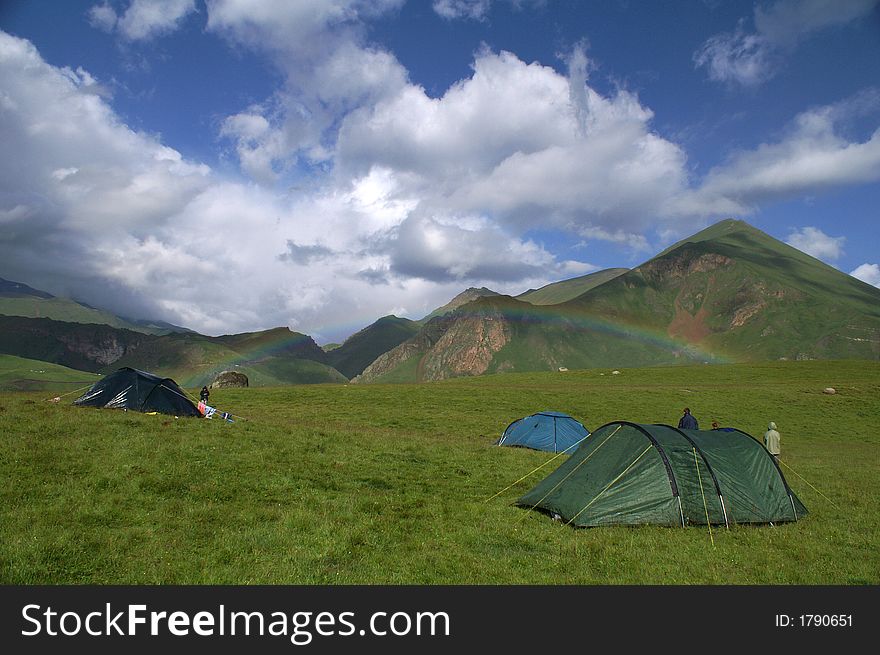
point(143, 19)
point(869, 273)
point(80, 178)
point(523, 144)
point(94, 209)
point(740, 57)
point(751, 58)
point(815, 242)
point(464, 248)
point(329, 71)
point(786, 22)
point(813, 154)
point(367, 195)
point(307, 29)
point(472, 9)
point(103, 17)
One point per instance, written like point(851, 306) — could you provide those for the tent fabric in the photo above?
point(636, 474)
point(129, 388)
point(554, 432)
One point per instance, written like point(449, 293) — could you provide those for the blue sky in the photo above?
point(235, 165)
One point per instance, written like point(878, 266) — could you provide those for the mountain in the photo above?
point(729, 293)
point(361, 348)
point(466, 296)
point(270, 357)
point(10, 289)
point(737, 292)
point(500, 334)
point(559, 292)
point(17, 299)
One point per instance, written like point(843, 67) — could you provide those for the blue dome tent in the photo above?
point(554, 432)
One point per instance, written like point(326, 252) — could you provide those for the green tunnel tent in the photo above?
point(129, 388)
point(636, 474)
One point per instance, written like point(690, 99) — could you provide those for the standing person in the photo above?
point(771, 440)
point(687, 421)
point(203, 396)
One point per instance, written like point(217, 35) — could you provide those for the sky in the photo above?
point(236, 165)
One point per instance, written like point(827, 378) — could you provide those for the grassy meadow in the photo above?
point(388, 484)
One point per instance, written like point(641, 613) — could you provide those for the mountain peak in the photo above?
point(466, 296)
point(8, 288)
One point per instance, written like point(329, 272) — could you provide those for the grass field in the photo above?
point(345, 484)
point(21, 374)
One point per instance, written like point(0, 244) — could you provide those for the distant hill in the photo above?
point(10, 289)
point(20, 374)
point(17, 299)
point(361, 348)
point(729, 293)
point(271, 357)
point(559, 292)
point(466, 296)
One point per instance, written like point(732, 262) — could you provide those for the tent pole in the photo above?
point(705, 506)
point(724, 511)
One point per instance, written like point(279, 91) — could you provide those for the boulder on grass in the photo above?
point(829, 390)
point(230, 379)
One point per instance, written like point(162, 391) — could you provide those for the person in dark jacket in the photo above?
point(687, 421)
point(203, 396)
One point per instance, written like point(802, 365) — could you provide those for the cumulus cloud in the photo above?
point(80, 178)
point(329, 69)
point(869, 273)
point(93, 209)
point(143, 19)
point(361, 194)
point(815, 242)
point(813, 154)
point(464, 248)
point(751, 58)
point(525, 145)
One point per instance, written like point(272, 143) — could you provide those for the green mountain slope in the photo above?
point(18, 299)
point(20, 374)
point(466, 296)
point(500, 334)
point(271, 357)
point(559, 292)
point(363, 347)
point(739, 293)
point(730, 293)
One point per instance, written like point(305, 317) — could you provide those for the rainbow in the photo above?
point(566, 316)
point(571, 316)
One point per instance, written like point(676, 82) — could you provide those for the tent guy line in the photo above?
point(534, 470)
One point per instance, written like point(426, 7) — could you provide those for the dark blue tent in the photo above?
point(129, 388)
point(551, 431)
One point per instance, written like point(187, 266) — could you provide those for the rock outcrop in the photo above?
point(230, 379)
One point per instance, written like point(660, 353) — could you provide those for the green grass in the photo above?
point(349, 484)
point(21, 374)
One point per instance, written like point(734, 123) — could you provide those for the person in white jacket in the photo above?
point(771, 440)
